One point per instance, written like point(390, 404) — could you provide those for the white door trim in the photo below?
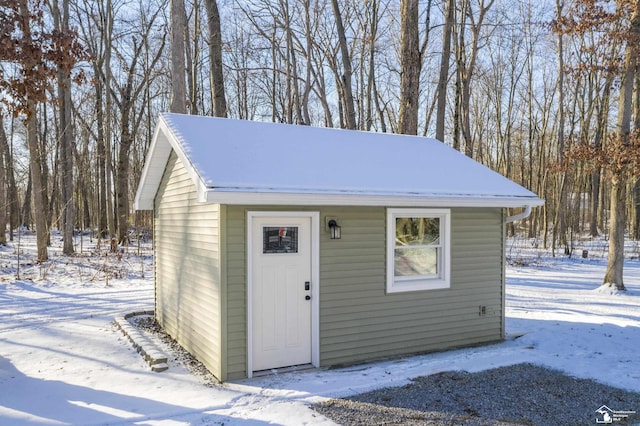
point(315, 280)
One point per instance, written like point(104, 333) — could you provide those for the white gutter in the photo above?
point(522, 215)
point(225, 196)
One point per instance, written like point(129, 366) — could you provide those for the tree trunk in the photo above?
point(178, 102)
point(3, 186)
point(122, 177)
point(347, 91)
point(66, 148)
point(66, 164)
point(215, 54)
point(594, 202)
point(192, 59)
point(467, 70)
point(30, 67)
point(25, 211)
point(615, 263)
point(101, 166)
point(614, 274)
point(443, 78)
point(636, 125)
point(66, 183)
point(372, 14)
point(308, 23)
point(636, 205)
point(12, 189)
point(411, 64)
point(37, 192)
point(294, 105)
point(108, 106)
point(122, 168)
point(460, 56)
point(563, 207)
point(601, 125)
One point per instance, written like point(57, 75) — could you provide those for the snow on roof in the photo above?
point(228, 156)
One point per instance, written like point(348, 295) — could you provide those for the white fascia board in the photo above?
point(163, 142)
point(156, 158)
point(184, 158)
point(327, 199)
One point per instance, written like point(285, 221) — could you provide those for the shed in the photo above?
point(279, 245)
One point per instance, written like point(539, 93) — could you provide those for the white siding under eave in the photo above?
point(187, 263)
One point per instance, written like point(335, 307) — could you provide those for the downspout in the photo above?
point(525, 213)
point(522, 215)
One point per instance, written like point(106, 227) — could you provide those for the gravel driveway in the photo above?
point(522, 394)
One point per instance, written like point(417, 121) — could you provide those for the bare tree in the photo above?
point(466, 65)
point(347, 90)
point(13, 203)
point(29, 97)
point(192, 58)
point(443, 77)
point(410, 66)
point(215, 54)
point(636, 185)
point(560, 226)
point(620, 157)
point(99, 39)
point(66, 138)
point(3, 185)
point(353, 64)
point(178, 101)
point(38, 53)
point(126, 96)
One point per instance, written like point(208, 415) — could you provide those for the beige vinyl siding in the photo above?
point(236, 293)
point(187, 253)
point(358, 320)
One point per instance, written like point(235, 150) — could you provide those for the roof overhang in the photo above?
point(168, 138)
point(277, 198)
point(163, 143)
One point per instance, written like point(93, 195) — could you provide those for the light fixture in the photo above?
point(336, 230)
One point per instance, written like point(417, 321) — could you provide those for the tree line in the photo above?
point(546, 93)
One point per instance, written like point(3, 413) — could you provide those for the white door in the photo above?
point(280, 292)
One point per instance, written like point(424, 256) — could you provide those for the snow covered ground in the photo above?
point(62, 361)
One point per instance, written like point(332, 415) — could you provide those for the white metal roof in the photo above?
point(248, 162)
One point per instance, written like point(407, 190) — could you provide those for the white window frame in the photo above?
point(419, 283)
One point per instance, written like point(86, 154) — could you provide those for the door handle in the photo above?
point(307, 297)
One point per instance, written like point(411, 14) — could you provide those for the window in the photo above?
point(418, 249)
point(279, 239)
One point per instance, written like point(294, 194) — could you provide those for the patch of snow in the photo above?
point(63, 361)
point(610, 289)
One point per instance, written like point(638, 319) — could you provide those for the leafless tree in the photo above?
point(178, 101)
point(215, 55)
point(443, 77)
point(345, 86)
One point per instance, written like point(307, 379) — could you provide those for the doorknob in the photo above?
point(307, 297)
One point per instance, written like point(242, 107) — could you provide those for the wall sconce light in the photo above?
point(335, 229)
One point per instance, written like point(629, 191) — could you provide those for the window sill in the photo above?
point(407, 286)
